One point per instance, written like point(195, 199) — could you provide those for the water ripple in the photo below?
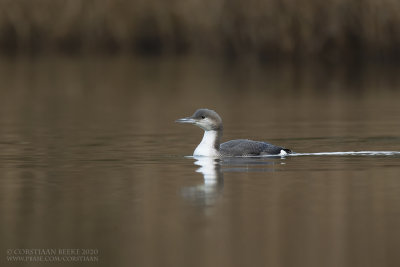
point(350, 153)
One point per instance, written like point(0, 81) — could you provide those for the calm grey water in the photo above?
point(90, 158)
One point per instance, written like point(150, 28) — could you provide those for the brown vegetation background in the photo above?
point(271, 28)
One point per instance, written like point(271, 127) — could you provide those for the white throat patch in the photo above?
point(206, 146)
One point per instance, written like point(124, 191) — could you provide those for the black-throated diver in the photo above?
point(211, 123)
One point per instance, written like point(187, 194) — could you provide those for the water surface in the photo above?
point(90, 157)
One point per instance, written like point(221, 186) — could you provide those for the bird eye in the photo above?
point(203, 117)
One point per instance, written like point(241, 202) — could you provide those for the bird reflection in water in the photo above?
point(211, 168)
point(213, 182)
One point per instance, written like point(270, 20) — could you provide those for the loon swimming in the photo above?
point(210, 146)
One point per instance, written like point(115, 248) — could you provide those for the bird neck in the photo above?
point(209, 145)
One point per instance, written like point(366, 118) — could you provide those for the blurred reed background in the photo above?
point(294, 29)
